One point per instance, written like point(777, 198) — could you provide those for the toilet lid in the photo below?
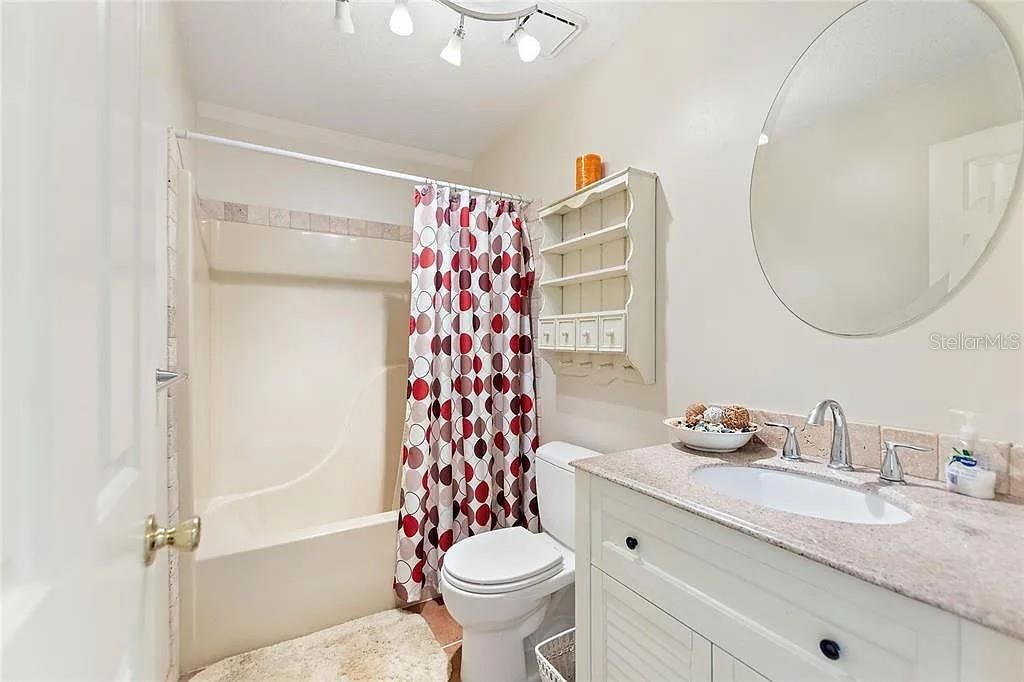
point(502, 557)
point(504, 588)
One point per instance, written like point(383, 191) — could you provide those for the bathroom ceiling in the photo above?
point(284, 59)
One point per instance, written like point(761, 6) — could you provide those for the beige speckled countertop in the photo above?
point(963, 555)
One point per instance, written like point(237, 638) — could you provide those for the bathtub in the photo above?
point(259, 588)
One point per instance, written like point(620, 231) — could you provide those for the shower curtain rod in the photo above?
point(323, 160)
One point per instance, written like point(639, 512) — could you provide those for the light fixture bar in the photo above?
point(401, 22)
point(577, 21)
point(479, 15)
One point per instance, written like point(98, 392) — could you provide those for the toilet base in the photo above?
point(498, 655)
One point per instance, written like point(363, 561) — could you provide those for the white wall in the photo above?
point(250, 177)
point(685, 95)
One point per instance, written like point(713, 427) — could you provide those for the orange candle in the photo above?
point(588, 170)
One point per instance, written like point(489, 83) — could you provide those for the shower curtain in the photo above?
point(471, 426)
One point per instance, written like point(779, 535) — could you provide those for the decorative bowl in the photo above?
point(710, 441)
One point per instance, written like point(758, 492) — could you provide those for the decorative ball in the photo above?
point(694, 413)
point(736, 417)
point(714, 415)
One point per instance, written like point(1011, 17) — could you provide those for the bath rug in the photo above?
point(391, 646)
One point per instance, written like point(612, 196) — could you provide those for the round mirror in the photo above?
point(886, 164)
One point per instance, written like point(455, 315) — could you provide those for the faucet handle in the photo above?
point(791, 448)
point(892, 468)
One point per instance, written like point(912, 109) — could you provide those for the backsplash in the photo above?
point(255, 214)
point(866, 442)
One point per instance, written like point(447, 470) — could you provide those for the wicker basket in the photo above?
point(556, 657)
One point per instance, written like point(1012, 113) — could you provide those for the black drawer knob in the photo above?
point(631, 542)
point(830, 649)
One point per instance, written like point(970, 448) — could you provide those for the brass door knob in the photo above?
point(184, 537)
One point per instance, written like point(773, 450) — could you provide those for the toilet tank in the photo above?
point(556, 489)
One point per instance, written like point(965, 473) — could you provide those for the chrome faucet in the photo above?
point(839, 457)
point(892, 468)
point(791, 448)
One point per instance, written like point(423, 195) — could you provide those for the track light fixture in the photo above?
point(401, 20)
point(343, 17)
point(452, 52)
point(528, 46)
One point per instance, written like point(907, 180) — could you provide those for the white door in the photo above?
point(970, 181)
point(80, 344)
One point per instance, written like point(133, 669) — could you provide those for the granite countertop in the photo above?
point(963, 555)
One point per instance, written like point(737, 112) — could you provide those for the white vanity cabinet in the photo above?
point(635, 640)
point(663, 594)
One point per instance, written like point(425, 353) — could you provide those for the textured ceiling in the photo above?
point(284, 59)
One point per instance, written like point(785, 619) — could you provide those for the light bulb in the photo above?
point(401, 20)
point(762, 140)
point(529, 47)
point(452, 52)
point(343, 17)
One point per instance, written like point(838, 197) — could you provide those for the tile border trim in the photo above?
point(255, 214)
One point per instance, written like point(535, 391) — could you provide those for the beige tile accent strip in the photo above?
point(920, 464)
point(174, 164)
point(867, 442)
point(1017, 472)
point(255, 214)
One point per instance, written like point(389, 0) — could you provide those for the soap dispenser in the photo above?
point(963, 474)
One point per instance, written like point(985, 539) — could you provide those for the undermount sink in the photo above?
point(802, 495)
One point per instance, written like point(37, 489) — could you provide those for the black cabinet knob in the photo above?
point(631, 542)
point(830, 649)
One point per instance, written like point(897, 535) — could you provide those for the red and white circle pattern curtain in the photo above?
point(471, 423)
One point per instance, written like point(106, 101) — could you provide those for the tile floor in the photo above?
point(447, 632)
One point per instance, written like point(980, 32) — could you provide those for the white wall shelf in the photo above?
point(588, 276)
point(605, 187)
point(597, 290)
point(602, 236)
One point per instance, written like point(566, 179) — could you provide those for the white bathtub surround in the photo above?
point(394, 645)
point(298, 388)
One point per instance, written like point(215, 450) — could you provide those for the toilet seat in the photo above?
point(501, 561)
point(500, 588)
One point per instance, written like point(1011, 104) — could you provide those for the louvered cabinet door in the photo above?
point(725, 668)
point(635, 641)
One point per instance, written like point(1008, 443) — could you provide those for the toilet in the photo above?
point(509, 588)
